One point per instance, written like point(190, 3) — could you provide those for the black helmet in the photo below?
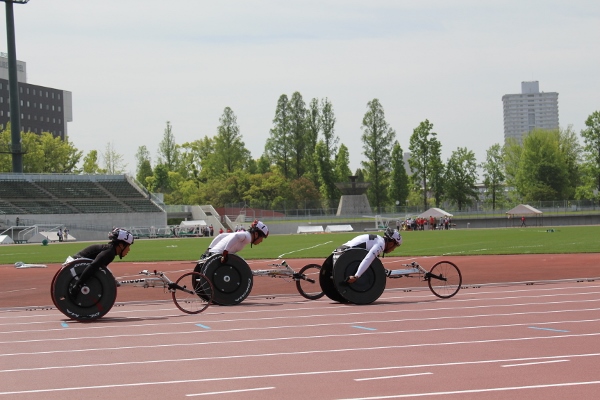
point(120, 235)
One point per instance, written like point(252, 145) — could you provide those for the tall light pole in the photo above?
point(13, 87)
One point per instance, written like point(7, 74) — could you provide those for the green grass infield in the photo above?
point(530, 240)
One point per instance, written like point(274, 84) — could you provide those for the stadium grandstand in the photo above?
point(88, 205)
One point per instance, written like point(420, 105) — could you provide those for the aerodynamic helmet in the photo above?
point(120, 235)
point(260, 228)
point(393, 234)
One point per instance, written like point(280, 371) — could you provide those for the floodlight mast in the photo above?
point(15, 112)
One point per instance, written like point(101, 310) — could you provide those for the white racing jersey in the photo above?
point(232, 242)
point(374, 244)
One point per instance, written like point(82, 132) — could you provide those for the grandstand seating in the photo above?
point(71, 194)
point(63, 190)
point(8, 208)
point(19, 189)
point(98, 206)
point(121, 189)
point(42, 207)
point(141, 205)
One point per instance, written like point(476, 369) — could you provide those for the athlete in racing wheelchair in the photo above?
point(353, 272)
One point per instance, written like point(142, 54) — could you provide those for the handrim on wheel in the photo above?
point(308, 283)
point(326, 281)
point(444, 279)
point(92, 300)
point(192, 293)
point(232, 281)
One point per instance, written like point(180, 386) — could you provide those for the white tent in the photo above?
point(434, 212)
point(192, 224)
point(521, 211)
point(5, 239)
point(524, 209)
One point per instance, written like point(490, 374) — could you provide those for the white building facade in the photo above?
point(528, 110)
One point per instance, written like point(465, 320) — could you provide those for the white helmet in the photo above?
point(261, 228)
point(393, 235)
point(120, 235)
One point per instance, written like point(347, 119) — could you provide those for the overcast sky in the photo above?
point(132, 65)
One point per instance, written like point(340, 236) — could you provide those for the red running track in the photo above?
point(496, 339)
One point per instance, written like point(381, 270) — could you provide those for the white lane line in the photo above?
point(305, 337)
point(246, 311)
point(295, 353)
point(230, 391)
point(499, 389)
point(329, 316)
point(18, 290)
point(392, 376)
point(270, 376)
point(534, 363)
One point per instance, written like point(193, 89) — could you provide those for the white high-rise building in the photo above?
point(528, 110)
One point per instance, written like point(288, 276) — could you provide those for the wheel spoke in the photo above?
point(192, 301)
point(444, 279)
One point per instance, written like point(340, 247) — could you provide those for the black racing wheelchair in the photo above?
point(191, 293)
point(444, 278)
point(233, 280)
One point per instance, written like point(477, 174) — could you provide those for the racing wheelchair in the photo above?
point(192, 292)
point(444, 278)
point(234, 279)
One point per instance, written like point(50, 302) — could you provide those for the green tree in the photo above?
point(326, 175)
point(542, 172)
point(586, 190)
point(303, 190)
point(159, 181)
point(263, 165)
point(493, 174)
point(278, 146)
point(230, 152)
point(437, 170)
point(571, 151)
point(399, 184)
point(460, 178)
point(313, 128)
point(377, 139)
point(168, 151)
point(90, 163)
point(197, 159)
point(43, 153)
point(144, 164)
point(324, 157)
point(298, 134)
point(591, 139)
point(342, 165)
point(424, 161)
point(60, 156)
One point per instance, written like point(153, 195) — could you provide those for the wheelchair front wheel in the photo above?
point(192, 293)
point(444, 279)
point(308, 283)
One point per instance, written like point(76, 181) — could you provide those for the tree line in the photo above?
point(304, 158)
